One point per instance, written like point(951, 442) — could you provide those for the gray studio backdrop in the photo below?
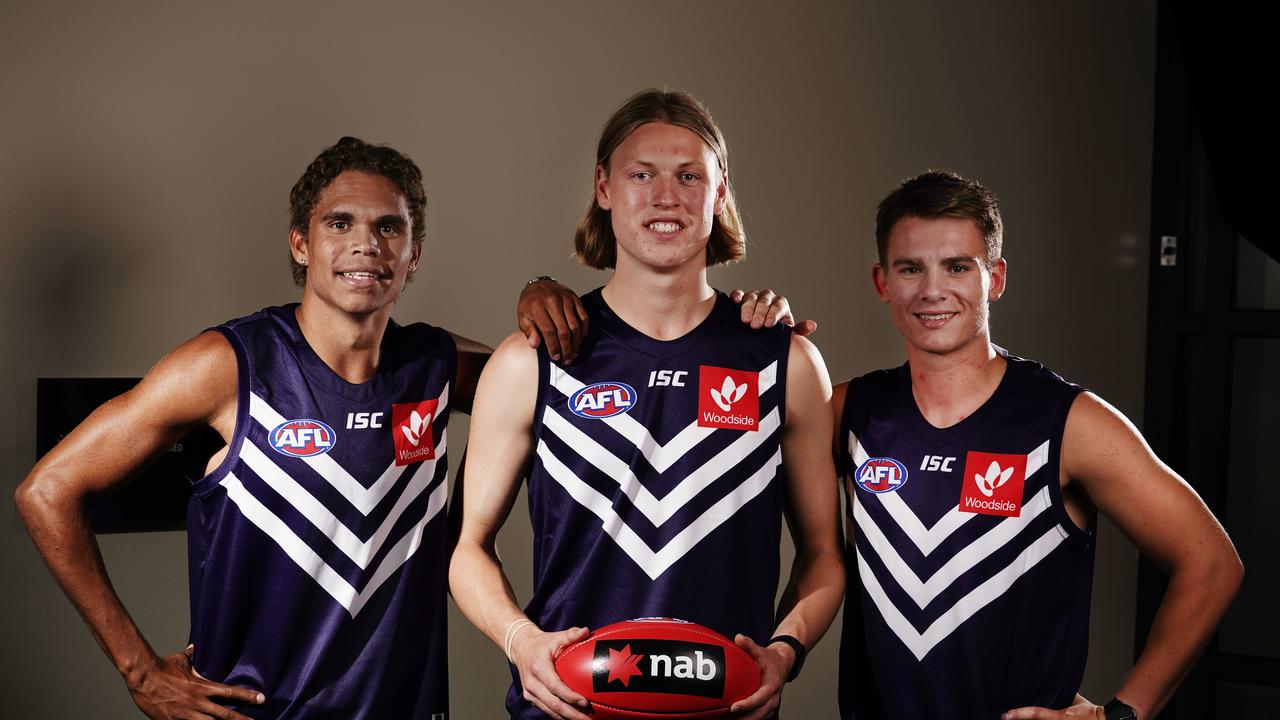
point(148, 149)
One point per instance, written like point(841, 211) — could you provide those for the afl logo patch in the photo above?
point(602, 400)
point(881, 475)
point(302, 438)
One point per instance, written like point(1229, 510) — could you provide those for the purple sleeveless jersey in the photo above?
point(318, 548)
point(968, 585)
point(656, 487)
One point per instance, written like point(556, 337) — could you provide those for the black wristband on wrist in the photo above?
point(1118, 710)
point(796, 646)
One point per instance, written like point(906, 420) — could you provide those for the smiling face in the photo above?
point(663, 188)
point(358, 248)
point(937, 284)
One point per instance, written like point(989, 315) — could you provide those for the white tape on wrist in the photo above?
point(515, 627)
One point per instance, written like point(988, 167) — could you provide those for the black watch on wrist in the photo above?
point(1118, 710)
point(799, 649)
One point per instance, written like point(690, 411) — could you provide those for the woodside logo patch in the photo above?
point(411, 431)
point(993, 484)
point(728, 398)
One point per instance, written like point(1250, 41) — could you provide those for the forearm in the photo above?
point(482, 591)
point(65, 540)
point(1190, 611)
point(812, 596)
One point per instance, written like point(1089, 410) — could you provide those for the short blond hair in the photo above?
point(594, 242)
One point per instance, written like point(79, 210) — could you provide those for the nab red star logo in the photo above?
point(622, 665)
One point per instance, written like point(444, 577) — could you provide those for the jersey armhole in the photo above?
point(780, 381)
point(1075, 533)
point(844, 425)
point(209, 482)
point(451, 356)
point(544, 389)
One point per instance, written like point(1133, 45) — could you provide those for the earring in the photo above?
point(303, 262)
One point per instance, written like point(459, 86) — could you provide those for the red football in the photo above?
point(658, 668)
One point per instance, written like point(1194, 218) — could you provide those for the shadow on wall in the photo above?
point(68, 284)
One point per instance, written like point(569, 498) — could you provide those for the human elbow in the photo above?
point(1219, 574)
point(461, 565)
point(36, 497)
point(1232, 573)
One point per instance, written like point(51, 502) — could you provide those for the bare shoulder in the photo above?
point(808, 388)
point(806, 371)
point(505, 401)
point(195, 384)
point(509, 382)
point(804, 351)
point(1096, 432)
point(1105, 457)
point(196, 381)
point(514, 358)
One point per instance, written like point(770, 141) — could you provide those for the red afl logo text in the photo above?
point(728, 398)
point(602, 400)
point(302, 438)
point(411, 431)
point(993, 484)
point(881, 475)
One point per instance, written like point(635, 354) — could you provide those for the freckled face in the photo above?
point(663, 188)
point(937, 283)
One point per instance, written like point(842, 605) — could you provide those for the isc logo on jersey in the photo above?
point(411, 430)
point(728, 398)
point(302, 438)
point(881, 475)
point(602, 400)
point(658, 666)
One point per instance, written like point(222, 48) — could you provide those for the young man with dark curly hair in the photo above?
point(318, 545)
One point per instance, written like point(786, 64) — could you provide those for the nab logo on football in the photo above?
point(411, 431)
point(993, 484)
point(728, 398)
point(662, 666)
point(602, 400)
point(302, 438)
point(881, 475)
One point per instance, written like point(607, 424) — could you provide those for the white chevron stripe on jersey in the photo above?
point(924, 592)
point(314, 565)
point(929, 538)
point(921, 643)
point(659, 511)
point(659, 456)
point(651, 562)
point(364, 499)
point(321, 517)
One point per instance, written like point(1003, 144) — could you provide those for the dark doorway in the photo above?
point(1213, 395)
